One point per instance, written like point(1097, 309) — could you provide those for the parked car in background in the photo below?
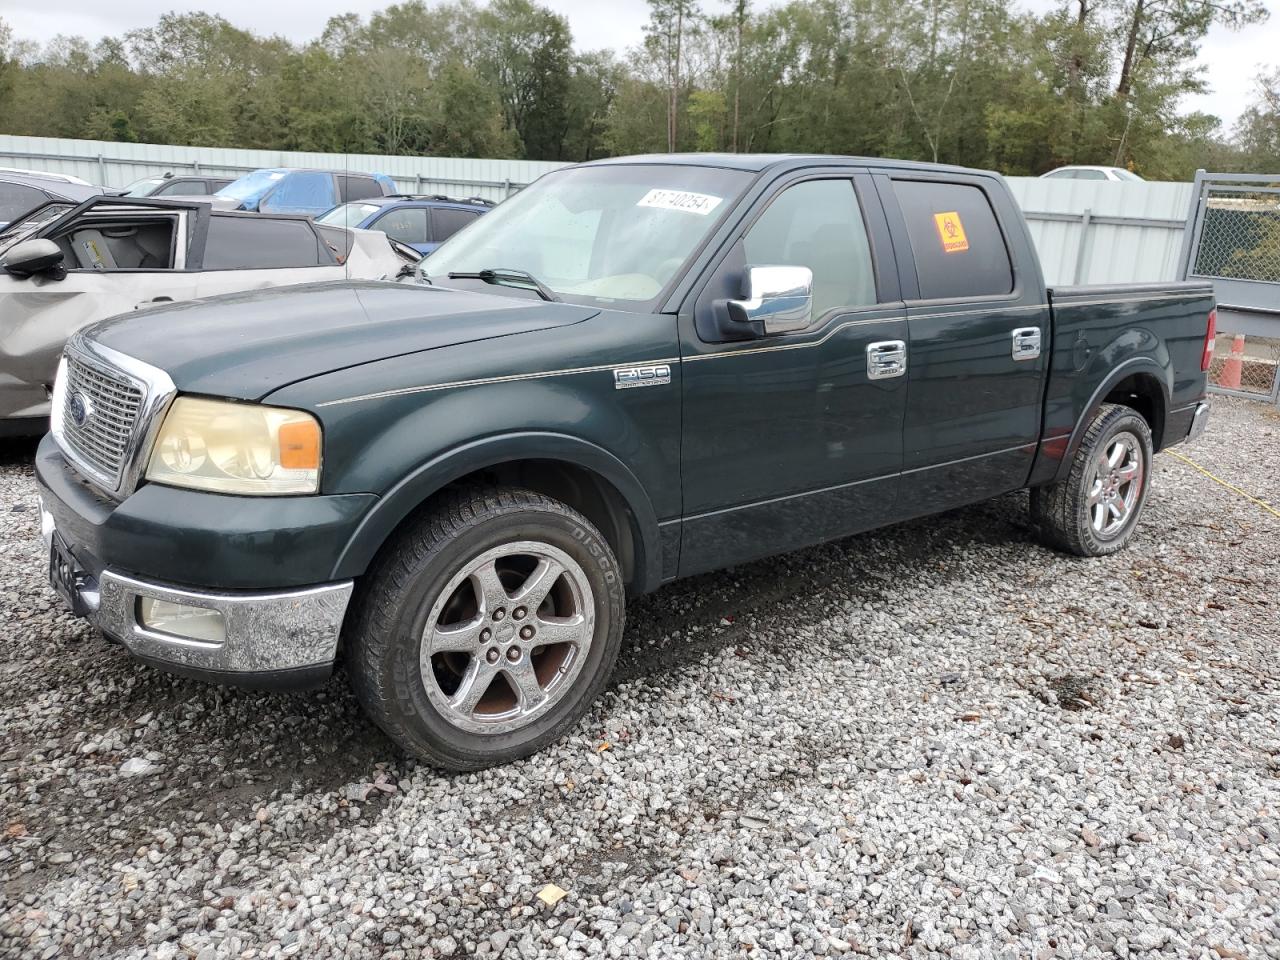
point(1114, 174)
point(175, 185)
point(23, 191)
point(423, 222)
point(66, 266)
point(63, 177)
point(311, 192)
point(634, 370)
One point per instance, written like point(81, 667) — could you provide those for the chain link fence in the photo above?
point(1245, 363)
point(1240, 237)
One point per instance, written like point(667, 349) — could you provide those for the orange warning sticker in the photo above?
point(951, 232)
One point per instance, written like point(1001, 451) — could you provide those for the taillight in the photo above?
point(1210, 335)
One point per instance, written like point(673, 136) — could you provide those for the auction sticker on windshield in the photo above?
point(682, 200)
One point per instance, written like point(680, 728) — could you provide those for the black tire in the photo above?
point(385, 632)
point(1062, 512)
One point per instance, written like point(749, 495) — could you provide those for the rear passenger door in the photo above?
point(788, 439)
point(978, 333)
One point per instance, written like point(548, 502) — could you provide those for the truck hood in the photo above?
point(246, 345)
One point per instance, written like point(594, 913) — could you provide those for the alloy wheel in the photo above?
point(506, 637)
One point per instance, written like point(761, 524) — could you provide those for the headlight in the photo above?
point(236, 448)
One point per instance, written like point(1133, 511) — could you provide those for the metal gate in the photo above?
point(1233, 240)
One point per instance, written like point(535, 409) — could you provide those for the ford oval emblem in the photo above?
point(80, 409)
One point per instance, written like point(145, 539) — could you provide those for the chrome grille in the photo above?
point(112, 401)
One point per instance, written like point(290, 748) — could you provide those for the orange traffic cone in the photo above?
point(1230, 377)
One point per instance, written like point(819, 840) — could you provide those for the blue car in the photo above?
point(308, 192)
point(421, 222)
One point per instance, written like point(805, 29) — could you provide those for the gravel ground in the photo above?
point(938, 739)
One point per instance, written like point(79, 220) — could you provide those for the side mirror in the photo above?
point(778, 298)
point(34, 256)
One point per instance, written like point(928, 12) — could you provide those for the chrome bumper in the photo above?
point(1199, 420)
point(267, 634)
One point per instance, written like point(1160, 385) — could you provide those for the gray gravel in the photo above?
point(939, 739)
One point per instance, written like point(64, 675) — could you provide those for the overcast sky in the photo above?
point(1231, 59)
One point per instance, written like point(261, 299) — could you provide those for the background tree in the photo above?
point(976, 82)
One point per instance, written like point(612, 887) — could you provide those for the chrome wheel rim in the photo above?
point(506, 637)
point(1115, 484)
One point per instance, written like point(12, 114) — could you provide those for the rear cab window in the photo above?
point(956, 241)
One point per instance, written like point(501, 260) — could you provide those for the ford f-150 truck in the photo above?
point(635, 370)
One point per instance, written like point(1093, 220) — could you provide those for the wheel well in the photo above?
point(590, 494)
point(1143, 393)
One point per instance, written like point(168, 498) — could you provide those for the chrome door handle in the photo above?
point(886, 359)
point(1026, 343)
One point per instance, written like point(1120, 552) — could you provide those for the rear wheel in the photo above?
point(488, 628)
point(1095, 510)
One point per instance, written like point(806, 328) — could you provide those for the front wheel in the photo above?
point(487, 629)
point(1095, 510)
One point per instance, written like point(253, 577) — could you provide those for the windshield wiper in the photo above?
point(502, 276)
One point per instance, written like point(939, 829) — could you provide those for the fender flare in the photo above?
point(1124, 371)
point(430, 477)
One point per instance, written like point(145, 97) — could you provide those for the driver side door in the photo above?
point(793, 439)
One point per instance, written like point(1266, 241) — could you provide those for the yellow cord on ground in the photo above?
point(1230, 486)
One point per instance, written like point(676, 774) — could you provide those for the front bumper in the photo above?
point(208, 551)
point(285, 639)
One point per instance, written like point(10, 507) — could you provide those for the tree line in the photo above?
point(974, 82)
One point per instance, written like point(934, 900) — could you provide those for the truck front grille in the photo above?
point(99, 413)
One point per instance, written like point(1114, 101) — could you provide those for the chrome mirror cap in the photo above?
point(778, 297)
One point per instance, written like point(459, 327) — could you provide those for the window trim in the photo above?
point(902, 236)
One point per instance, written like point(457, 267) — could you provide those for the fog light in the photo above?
point(181, 620)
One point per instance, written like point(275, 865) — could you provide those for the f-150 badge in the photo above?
point(656, 375)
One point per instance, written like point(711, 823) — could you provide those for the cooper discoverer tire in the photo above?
point(1094, 511)
point(486, 628)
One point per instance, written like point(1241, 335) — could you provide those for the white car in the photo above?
point(65, 266)
point(1114, 174)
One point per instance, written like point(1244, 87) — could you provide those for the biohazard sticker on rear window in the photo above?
point(951, 232)
point(699, 203)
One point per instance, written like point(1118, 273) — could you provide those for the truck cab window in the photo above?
point(818, 224)
point(958, 247)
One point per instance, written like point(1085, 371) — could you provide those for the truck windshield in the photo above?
point(610, 235)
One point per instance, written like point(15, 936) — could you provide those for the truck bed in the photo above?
point(1129, 340)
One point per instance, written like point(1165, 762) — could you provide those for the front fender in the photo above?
point(430, 477)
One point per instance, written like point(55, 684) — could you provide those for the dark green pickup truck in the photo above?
point(633, 371)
